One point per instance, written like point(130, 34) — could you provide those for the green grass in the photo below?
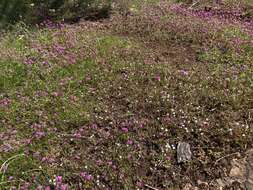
point(12, 75)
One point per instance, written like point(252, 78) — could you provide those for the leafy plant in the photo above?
point(34, 11)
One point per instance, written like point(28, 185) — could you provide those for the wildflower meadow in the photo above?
point(103, 102)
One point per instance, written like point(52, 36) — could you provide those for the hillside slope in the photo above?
point(103, 105)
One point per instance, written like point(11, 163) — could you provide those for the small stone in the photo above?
point(222, 183)
point(184, 153)
point(238, 170)
point(188, 186)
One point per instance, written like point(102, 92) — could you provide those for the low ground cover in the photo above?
point(102, 105)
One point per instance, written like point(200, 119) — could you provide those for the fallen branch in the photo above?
point(150, 187)
point(225, 157)
point(6, 163)
point(195, 3)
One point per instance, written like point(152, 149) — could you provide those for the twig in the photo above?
point(72, 136)
point(9, 160)
point(35, 170)
point(5, 165)
point(225, 157)
point(198, 147)
point(150, 187)
point(4, 182)
point(195, 3)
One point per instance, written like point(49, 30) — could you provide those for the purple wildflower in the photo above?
point(29, 61)
point(139, 184)
point(39, 134)
point(129, 142)
point(45, 63)
point(183, 72)
point(124, 129)
point(158, 77)
point(94, 126)
point(58, 179)
point(64, 187)
point(85, 176)
point(5, 102)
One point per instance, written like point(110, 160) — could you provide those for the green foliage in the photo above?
point(34, 11)
point(12, 10)
point(11, 75)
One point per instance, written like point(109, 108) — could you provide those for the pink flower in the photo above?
point(59, 180)
point(139, 184)
point(110, 163)
point(88, 177)
point(56, 94)
point(183, 72)
point(78, 135)
point(39, 187)
point(129, 142)
point(45, 63)
point(29, 61)
point(36, 126)
point(94, 126)
point(124, 129)
point(64, 187)
point(168, 157)
point(5, 102)
point(85, 176)
point(158, 77)
point(39, 134)
point(99, 162)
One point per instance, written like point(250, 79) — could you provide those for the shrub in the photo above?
point(11, 10)
point(34, 11)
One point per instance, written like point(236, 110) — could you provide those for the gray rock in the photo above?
point(184, 153)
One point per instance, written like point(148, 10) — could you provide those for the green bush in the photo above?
point(11, 10)
point(34, 11)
